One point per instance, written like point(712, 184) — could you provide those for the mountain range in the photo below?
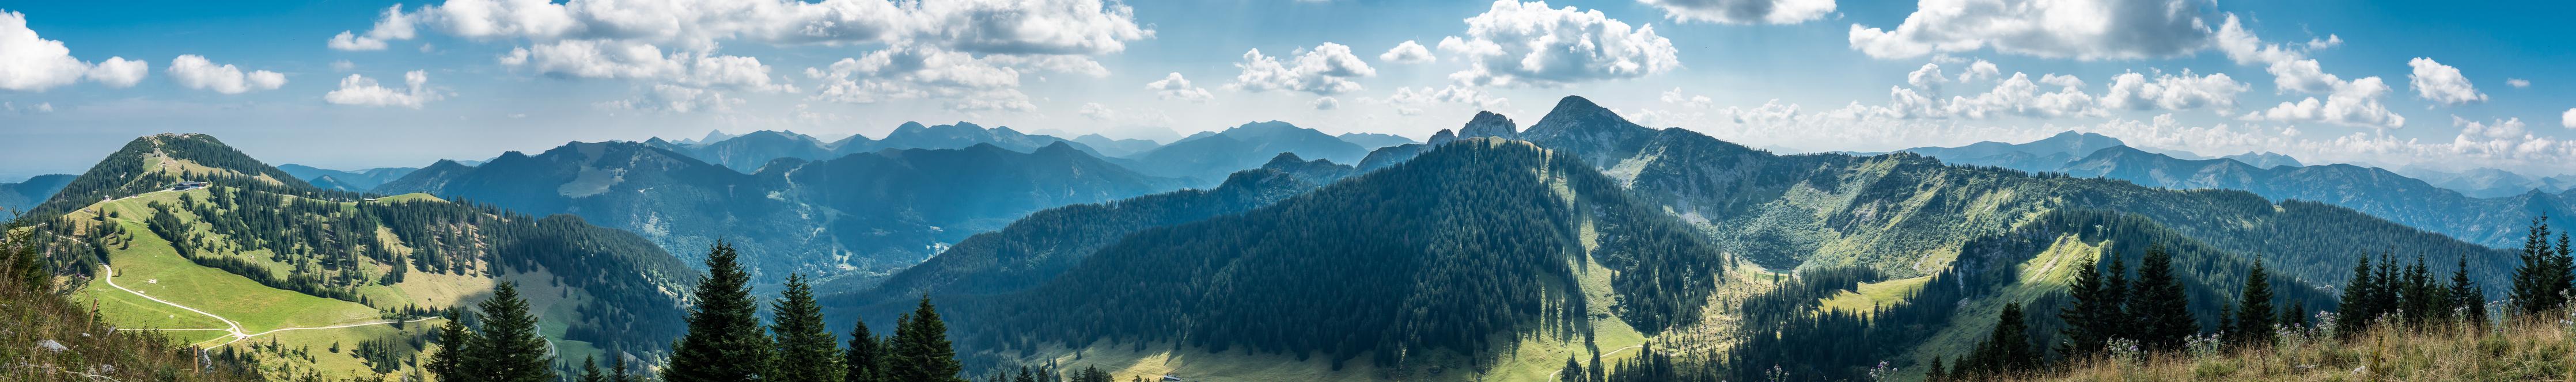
point(2492, 221)
point(20, 196)
point(218, 239)
point(856, 215)
point(358, 181)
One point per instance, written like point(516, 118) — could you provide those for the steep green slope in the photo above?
point(1459, 252)
point(1038, 247)
point(272, 267)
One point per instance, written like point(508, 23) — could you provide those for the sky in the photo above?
point(360, 84)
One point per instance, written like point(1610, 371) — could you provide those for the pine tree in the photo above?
point(590, 370)
point(1935, 374)
point(1573, 371)
point(2254, 309)
point(1092, 374)
point(2085, 316)
point(806, 350)
point(2163, 310)
point(2538, 283)
point(2468, 302)
point(2295, 316)
point(510, 349)
point(921, 350)
point(724, 342)
point(2005, 351)
point(2115, 304)
point(454, 342)
point(2422, 299)
point(619, 375)
point(2358, 311)
point(866, 359)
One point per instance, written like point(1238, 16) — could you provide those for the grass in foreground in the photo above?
point(2525, 350)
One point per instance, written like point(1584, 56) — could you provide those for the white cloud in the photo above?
point(637, 61)
point(963, 81)
point(2018, 95)
point(1928, 77)
point(2568, 120)
point(1744, 11)
point(196, 72)
point(1325, 70)
point(343, 66)
point(2133, 91)
point(1327, 103)
point(118, 72)
point(2517, 83)
point(676, 99)
point(1528, 44)
point(31, 63)
point(2441, 83)
point(2291, 70)
point(2080, 29)
point(358, 90)
point(2354, 103)
point(41, 107)
point(1675, 96)
point(393, 25)
point(1096, 112)
point(1174, 87)
point(1032, 27)
point(1408, 52)
point(1450, 94)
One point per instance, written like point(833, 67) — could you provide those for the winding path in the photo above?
point(235, 331)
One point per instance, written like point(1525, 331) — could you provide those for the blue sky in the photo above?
point(448, 79)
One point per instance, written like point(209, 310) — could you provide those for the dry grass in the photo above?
point(34, 320)
point(2526, 350)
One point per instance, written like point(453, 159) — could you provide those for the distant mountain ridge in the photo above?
point(1209, 156)
point(746, 153)
point(857, 215)
point(360, 180)
point(2371, 190)
point(20, 196)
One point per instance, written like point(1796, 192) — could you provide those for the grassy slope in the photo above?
point(2528, 350)
point(149, 258)
point(2049, 272)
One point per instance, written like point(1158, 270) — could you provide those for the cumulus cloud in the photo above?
point(1327, 103)
point(1528, 44)
point(2348, 102)
point(392, 25)
point(360, 91)
point(195, 72)
point(676, 99)
point(910, 72)
point(1174, 87)
point(2441, 83)
point(31, 63)
point(118, 72)
point(2568, 120)
point(2018, 95)
point(2133, 91)
point(1408, 52)
point(1744, 11)
point(1407, 96)
point(976, 26)
point(2079, 29)
point(1325, 70)
point(2354, 103)
point(637, 61)
point(1676, 97)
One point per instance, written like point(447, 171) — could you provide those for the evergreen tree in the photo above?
point(2358, 311)
point(1573, 371)
point(866, 359)
point(2005, 351)
point(2295, 316)
point(454, 342)
point(724, 342)
point(510, 349)
point(1092, 374)
point(590, 370)
point(2422, 299)
point(2538, 284)
point(1935, 374)
point(806, 350)
point(619, 374)
point(2115, 303)
point(921, 350)
point(2467, 300)
point(2159, 303)
point(2254, 309)
point(2086, 315)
